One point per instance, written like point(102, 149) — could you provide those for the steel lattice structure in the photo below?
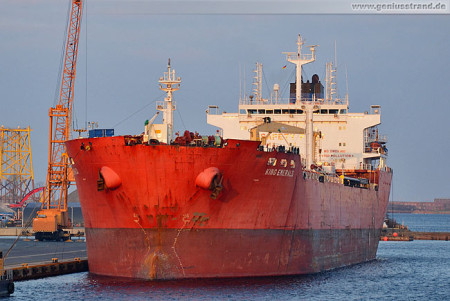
point(58, 176)
point(16, 170)
point(53, 216)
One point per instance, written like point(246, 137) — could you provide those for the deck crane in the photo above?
point(53, 216)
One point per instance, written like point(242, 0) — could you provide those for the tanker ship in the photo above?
point(286, 186)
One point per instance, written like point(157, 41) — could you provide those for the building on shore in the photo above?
point(441, 206)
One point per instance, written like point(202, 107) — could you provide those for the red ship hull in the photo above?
point(269, 219)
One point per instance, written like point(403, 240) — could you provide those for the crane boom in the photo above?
point(53, 216)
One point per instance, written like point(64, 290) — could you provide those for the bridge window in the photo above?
point(343, 111)
point(324, 111)
point(243, 111)
point(334, 111)
point(269, 111)
point(277, 111)
point(261, 111)
point(252, 111)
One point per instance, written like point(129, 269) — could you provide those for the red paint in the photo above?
point(26, 197)
point(205, 178)
point(269, 220)
point(111, 178)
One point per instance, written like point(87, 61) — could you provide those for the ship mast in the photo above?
point(308, 105)
point(299, 60)
point(257, 82)
point(330, 81)
point(169, 83)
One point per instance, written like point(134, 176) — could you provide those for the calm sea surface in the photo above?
point(417, 270)
point(423, 222)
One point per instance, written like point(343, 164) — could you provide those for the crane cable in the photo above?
point(139, 110)
point(27, 225)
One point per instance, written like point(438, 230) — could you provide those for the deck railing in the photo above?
point(290, 101)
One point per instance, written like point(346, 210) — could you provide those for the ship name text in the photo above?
point(279, 172)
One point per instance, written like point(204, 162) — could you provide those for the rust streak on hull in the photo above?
point(227, 253)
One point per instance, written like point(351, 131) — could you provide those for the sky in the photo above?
point(400, 62)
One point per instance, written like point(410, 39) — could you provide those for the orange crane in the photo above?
point(53, 216)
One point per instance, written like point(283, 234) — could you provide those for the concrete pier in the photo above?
point(405, 235)
point(16, 231)
point(31, 259)
point(34, 271)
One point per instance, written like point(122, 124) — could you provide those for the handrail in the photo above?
point(290, 101)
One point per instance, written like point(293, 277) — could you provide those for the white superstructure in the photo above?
point(168, 83)
point(332, 137)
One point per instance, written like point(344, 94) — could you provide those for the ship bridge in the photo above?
point(332, 135)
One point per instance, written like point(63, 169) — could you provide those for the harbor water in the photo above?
point(423, 222)
point(416, 270)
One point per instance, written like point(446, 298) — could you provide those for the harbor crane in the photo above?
point(53, 217)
